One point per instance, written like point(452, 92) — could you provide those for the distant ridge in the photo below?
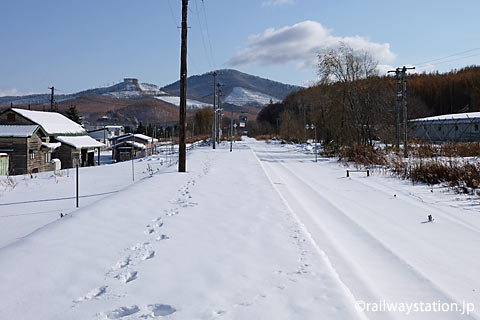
point(238, 88)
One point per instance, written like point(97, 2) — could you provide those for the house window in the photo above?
point(48, 157)
point(11, 117)
point(32, 155)
point(456, 128)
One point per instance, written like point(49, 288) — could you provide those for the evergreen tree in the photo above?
point(73, 115)
point(141, 128)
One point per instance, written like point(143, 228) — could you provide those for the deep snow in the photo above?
point(260, 233)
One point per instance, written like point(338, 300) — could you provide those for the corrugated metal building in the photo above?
point(458, 127)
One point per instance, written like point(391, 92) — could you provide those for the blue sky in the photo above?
point(77, 45)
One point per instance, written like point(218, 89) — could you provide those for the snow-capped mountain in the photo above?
point(129, 88)
point(238, 88)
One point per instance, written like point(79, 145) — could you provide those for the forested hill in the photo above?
point(364, 110)
point(428, 94)
point(453, 92)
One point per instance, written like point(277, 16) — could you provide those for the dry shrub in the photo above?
point(425, 151)
point(451, 150)
point(464, 177)
point(365, 155)
point(460, 149)
point(264, 136)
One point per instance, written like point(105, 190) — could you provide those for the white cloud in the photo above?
point(300, 44)
point(384, 68)
point(9, 92)
point(273, 3)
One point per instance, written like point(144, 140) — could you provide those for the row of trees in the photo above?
point(200, 123)
point(352, 104)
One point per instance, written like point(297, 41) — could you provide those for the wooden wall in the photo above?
point(18, 158)
point(37, 164)
point(19, 120)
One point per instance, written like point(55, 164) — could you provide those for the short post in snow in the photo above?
point(231, 131)
point(76, 162)
point(133, 157)
point(313, 127)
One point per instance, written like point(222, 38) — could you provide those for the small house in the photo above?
point(69, 139)
point(104, 134)
point(25, 149)
point(126, 150)
point(148, 142)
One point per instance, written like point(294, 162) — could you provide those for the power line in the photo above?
point(421, 64)
point(208, 56)
point(457, 59)
point(173, 15)
point(174, 19)
point(208, 33)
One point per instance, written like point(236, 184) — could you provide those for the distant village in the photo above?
point(39, 141)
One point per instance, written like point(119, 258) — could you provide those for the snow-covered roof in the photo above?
point(452, 117)
point(137, 145)
point(17, 131)
point(51, 146)
point(53, 123)
point(80, 142)
point(137, 136)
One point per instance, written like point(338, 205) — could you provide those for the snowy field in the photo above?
point(260, 233)
point(30, 202)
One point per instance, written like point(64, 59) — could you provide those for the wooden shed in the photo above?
point(27, 148)
point(70, 138)
point(148, 142)
point(125, 150)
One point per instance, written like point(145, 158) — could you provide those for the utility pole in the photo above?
point(77, 162)
point(231, 131)
point(133, 158)
point(404, 103)
point(219, 110)
point(182, 153)
point(214, 136)
point(52, 99)
point(398, 98)
point(401, 102)
point(304, 121)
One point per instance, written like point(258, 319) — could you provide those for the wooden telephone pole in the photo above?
point(52, 99)
point(214, 130)
point(182, 153)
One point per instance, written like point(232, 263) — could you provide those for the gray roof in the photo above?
point(17, 131)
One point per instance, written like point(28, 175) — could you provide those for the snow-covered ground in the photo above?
point(260, 233)
point(240, 97)
point(191, 104)
point(30, 202)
